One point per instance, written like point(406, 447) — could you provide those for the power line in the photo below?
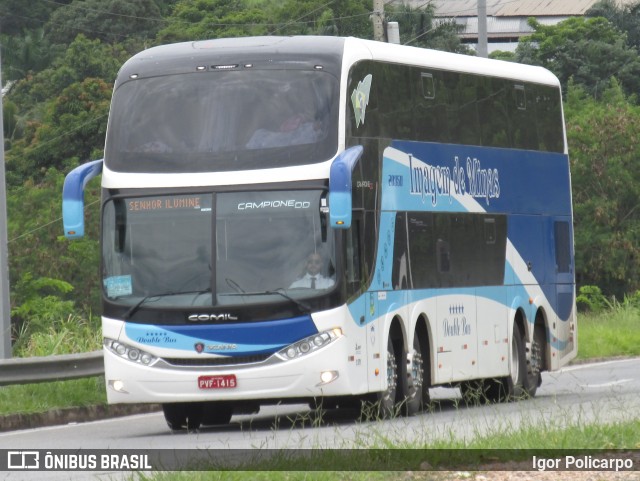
point(216, 24)
point(44, 226)
point(79, 7)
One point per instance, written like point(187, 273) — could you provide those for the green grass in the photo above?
point(610, 333)
point(42, 397)
point(487, 452)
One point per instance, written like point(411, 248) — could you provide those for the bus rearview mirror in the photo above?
point(73, 197)
point(340, 201)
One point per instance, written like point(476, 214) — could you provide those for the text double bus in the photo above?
point(330, 220)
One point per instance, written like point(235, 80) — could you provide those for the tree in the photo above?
point(589, 50)
point(82, 59)
point(71, 132)
point(317, 17)
point(26, 52)
point(205, 19)
point(18, 16)
point(604, 143)
point(106, 20)
point(418, 27)
point(626, 18)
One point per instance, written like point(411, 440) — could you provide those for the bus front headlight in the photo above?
point(309, 344)
point(130, 353)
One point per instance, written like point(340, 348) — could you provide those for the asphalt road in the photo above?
point(600, 392)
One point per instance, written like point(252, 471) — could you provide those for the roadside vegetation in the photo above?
point(498, 451)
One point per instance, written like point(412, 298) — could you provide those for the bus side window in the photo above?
point(400, 274)
point(428, 86)
point(563, 246)
point(352, 258)
point(444, 256)
point(490, 231)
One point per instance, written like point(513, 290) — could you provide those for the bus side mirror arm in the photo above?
point(340, 201)
point(73, 197)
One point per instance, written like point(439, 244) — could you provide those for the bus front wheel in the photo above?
point(181, 416)
point(216, 413)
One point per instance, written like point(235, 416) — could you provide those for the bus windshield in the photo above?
point(181, 251)
point(223, 121)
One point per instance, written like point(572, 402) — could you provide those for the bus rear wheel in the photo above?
point(386, 400)
point(417, 394)
point(536, 360)
point(514, 384)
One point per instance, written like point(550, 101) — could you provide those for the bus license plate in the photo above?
point(227, 381)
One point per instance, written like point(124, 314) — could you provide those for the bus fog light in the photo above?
point(117, 385)
point(328, 376)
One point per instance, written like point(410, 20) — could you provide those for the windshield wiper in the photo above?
point(302, 305)
point(133, 309)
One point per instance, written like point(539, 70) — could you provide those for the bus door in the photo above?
point(565, 289)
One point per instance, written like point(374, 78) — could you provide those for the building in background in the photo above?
point(506, 19)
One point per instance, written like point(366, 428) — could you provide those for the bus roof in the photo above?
point(245, 52)
point(440, 60)
point(309, 51)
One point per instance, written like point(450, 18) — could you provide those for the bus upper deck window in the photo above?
point(490, 231)
point(428, 86)
point(521, 98)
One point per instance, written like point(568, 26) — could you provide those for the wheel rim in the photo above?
point(515, 360)
point(536, 358)
point(392, 376)
point(417, 371)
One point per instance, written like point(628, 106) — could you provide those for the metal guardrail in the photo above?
point(51, 368)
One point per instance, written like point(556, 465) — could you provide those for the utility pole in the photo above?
point(378, 20)
point(5, 310)
point(483, 49)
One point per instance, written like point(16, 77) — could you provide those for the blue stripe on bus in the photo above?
point(248, 338)
point(531, 188)
point(499, 180)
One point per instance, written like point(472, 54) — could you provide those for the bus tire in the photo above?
point(386, 400)
point(216, 413)
point(515, 382)
point(416, 383)
point(536, 360)
point(181, 416)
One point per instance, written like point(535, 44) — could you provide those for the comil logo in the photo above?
point(23, 460)
point(212, 317)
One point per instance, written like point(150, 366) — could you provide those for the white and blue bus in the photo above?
point(329, 220)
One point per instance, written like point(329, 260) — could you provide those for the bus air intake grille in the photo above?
point(217, 361)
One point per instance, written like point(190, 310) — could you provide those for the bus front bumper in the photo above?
point(324, 373)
